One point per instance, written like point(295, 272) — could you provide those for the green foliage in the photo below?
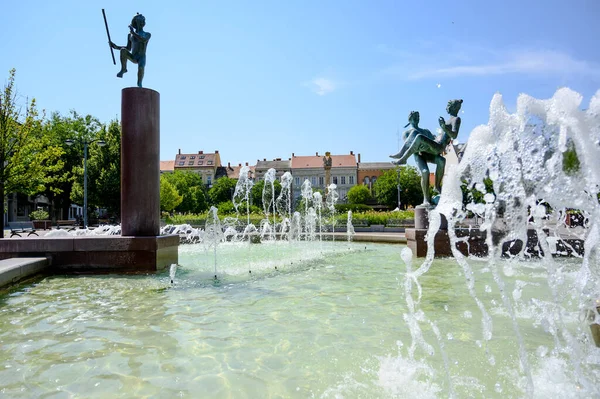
point(40, 214)
point(257, 194)
point(386, 187)
point(222, 190)
point(571, 164)
point(474, 195)
point(191, 187)
point(344, 208)
point(226, 208)
point(359, 194)
point(104, 163)
point(26, 155)
point(169, 196)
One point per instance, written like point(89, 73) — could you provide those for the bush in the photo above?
point(359, 194)
point(344, 208)
point(40, 214)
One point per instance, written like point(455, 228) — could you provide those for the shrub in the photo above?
point(40, 214)
point(344, 208)
point(359, 194)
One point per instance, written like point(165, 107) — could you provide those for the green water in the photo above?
point(328, 323)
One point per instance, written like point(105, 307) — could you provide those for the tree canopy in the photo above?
point(27, 156)
point(222, 190)
point(386, 187)
point(359, 194)
point(191, 187)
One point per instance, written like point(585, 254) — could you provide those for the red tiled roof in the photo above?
point(203, 160)
point(167, 166)
point(234, 171)
point(316, 161)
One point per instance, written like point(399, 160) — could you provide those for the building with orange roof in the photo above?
point(312, 168)
point(167, 167)
point(205, 164)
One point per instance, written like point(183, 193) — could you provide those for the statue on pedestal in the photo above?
point(135, 50)
point(428, 149)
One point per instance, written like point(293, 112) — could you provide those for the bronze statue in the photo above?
point(135, 51)
point(428, 149)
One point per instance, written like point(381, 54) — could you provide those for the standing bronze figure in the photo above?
point(428, 149)
point(135, 51)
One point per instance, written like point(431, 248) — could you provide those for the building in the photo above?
point(343, 172)
point(167, 167)
point(280, 166)
point(205, 164)
point(369, 172)
point(233, 172)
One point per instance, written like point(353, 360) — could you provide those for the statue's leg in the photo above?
point(424, 170)
point(440, 169)
point(141, 69)
point(405, 147)
point(125, 55)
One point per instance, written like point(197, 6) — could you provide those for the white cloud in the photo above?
point(322, 86)
point(419, 66)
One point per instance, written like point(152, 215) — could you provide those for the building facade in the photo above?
point(343, 172)
point(204, 164)
point(280, 166)
point(369, 172)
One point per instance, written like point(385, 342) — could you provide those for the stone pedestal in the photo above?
point(140, 162)
point(422, 218)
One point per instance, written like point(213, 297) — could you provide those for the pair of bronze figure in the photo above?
point(426, 148)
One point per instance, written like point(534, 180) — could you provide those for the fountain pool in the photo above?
point(328, 323)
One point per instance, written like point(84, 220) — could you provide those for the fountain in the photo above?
point(332, 320)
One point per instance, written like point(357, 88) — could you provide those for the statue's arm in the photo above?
point(128, 47)
point(142, 38)
point(455, 126)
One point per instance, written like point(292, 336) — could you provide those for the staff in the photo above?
point(109, 41)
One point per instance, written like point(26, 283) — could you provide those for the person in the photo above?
point(135, 51)
point(428, 149)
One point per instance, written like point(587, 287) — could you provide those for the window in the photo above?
point(350, 179)
point(200, 162)
point(297, 181)
point(201, 157)
point(182, 157)
point(313, 180)
point(181, 163)
point(209, 162)
point(366, 181)
point(190, 163)
point(373, 179)
point(335, 180)
point(321, 181)
point(209, 180)
point(343, 180)
point(193, 157)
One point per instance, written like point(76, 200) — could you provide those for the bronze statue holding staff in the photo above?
point(135, 50)
point(428, 149)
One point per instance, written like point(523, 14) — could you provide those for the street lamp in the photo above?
point(398, 174)
point(86, 143)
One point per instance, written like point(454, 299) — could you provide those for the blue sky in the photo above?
point(263, 79)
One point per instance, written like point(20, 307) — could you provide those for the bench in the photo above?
point(18, 228)
point(70, 224)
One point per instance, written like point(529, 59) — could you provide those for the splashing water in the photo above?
point(243, 190)
point(350, 228)
point(528, 156)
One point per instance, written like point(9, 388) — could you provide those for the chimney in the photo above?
point(258, 160)
point(240, 165)
point(246, 163)
point(229, 165)
point(264, 159)
point(200, 152)
point(351, 152)
point(278, 159)
point(317, 153)
point(180, 151)
point(293, 155)
point(216, 151)
point(358, 158)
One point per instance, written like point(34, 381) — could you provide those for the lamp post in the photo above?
point(85, 143)
point(398, 174)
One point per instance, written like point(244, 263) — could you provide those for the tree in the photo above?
point(386, 187)
point(169, 196)
point(222, 190)
point(190, 186)
point(359, 194)
point(26, 155)
point(257, 193)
